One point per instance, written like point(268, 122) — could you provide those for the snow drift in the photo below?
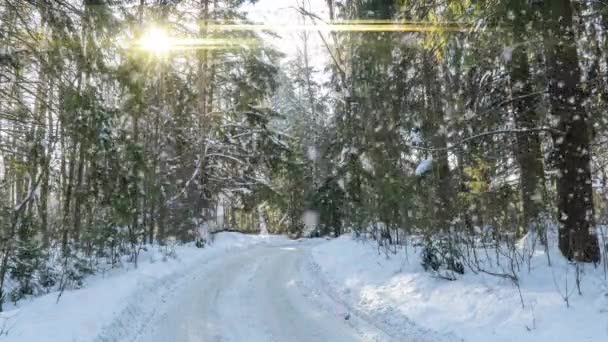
point(476, 307)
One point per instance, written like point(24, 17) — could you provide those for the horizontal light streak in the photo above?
point(384, 27)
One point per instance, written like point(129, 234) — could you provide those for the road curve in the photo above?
point(252, 296)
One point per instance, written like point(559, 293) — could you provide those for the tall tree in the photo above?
point(577, 237)
point(527, 117)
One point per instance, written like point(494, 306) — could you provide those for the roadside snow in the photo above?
point(118, 304)
point(476, 308)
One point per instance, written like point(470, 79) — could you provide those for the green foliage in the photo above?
point(26, 262)
point(328, 201)
point(441, 256)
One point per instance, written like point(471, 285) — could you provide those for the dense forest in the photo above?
point(458, 121)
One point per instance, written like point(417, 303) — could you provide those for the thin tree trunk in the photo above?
point(67, 201)
point(79, 194)
point(434, 122)
point(528, 147)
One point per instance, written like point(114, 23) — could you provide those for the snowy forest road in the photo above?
point(260, 294)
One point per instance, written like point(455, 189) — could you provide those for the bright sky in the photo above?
point(283, 12)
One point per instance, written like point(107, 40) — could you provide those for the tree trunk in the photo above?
point(68, 179)
point(577, 237)
point(528, 145)
point(434, 122)
point(79, 194)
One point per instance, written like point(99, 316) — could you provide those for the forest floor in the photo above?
point(254, 288)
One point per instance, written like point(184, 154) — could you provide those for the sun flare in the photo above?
point(156, 40)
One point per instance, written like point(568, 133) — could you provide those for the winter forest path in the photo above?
point(260, 294)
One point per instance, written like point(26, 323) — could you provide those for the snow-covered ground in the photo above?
point(398, 293)
point(121, 302)
point(242, 288)
point(265, 288)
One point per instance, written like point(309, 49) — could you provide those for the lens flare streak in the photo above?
point(344, 27)
point(158, 41)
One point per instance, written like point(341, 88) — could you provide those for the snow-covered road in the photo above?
point(260, 294)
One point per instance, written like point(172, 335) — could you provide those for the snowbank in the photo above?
point(477, 308)
point(119, 303)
